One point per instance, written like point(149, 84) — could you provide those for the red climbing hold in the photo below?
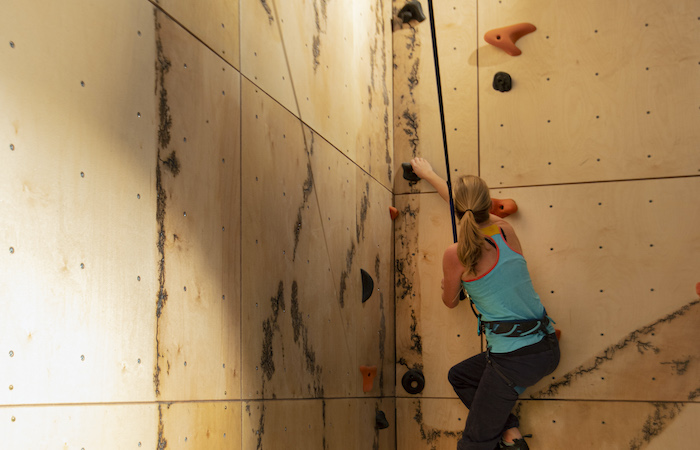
point(368, 374)
point(506, 37)
point(697, 289)
point(393, 212)
point(503, 208)
point(557, 333)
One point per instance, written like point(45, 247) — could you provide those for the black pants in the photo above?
point(487, 394)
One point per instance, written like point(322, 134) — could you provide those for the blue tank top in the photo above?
point(505, 292)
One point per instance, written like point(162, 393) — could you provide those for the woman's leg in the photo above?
point(490, 412)
point(465, 376)
point(489, 400)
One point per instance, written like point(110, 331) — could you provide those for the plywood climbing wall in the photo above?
point(191, 194)
point(327, 63)
point(596, 143)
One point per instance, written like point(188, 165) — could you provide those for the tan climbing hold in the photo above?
point(506, 37)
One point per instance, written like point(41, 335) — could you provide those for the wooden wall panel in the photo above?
point(610, 425)
point(606, 262)
point(306, 331)
point(594, 252)
point(375, 337)
point(601, 92)
point(200, 425)
point(199, 163)
point(89, 426)
point(214, 22)
point(78, 153)
point(339, 54)
point(297, 339)
point(417, 125)
point(263, 57)
point(437, 424)
point(429, 423)
point(318, 424)
point(429, 336)
point(354, 210)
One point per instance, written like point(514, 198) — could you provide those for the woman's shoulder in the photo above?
point(508, 232)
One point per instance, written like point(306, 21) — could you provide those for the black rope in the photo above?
point(442, 118)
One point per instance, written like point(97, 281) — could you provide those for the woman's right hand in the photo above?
point(421, 167)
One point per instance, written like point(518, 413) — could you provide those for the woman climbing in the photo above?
point(487, 263)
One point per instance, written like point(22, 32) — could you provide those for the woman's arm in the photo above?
point(452, 270)
point(423, 169)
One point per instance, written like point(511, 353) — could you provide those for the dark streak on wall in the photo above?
point(261, 424)
point(350, 255)
point(162, 442)
point(382, 325)
point(405, 267)
point(678, 367)
point(379, 36)
point(364, 208)
point(417, 342)
point(323, 416)
point(428, 434)
point(301, 338)
point(656, 423)
point(411, 130)
point(301, 332)
point(403, 362)
point(631, 339)
point(320, 11)
point(162, 66)
point(307, 189)
point(267, 363)
point(268, 10)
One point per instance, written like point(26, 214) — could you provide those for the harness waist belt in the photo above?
point(516, 328)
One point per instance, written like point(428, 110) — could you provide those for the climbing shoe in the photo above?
point(518, 444)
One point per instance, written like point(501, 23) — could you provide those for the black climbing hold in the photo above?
point(367, 285)
point(412, 10)
point(408, 173)
point(381, 420)
point(413, 381)
point(502, 82)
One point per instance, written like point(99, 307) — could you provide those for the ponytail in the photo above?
point(472, 204)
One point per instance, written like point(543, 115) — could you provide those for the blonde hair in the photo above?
point(472, 204)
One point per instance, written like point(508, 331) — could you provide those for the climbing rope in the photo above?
point(442, 118)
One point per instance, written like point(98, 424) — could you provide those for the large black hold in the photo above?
point(408, 173)
point(413, 381)
point(367, 285)
point(412, 10)
point(381, 420)
point(502, 82)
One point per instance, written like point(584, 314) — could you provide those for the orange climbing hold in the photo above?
point(697, 289)
point(368, 374)
point(503, 208)
point(393, 212)
point(506, 37)
point(557, 333)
